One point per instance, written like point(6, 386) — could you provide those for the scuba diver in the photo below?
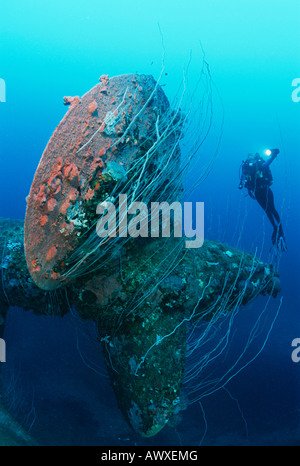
point(256, 176)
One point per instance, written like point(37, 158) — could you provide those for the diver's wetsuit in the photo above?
point(257, 178)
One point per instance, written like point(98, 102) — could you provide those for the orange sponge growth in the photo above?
point(105, 126)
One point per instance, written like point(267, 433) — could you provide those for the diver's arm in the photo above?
point(274, 153)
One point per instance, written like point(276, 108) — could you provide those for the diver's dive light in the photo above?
point(273, 152)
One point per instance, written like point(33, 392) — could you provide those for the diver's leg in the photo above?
point(271, 205)
point(262, 197)
point(265, 198)
point(274, 213)
point(278, 238)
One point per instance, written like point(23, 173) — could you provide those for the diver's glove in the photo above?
point(275, 152)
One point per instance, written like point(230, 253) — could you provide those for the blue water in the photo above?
point(61, 48)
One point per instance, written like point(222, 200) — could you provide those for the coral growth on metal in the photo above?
point(104, 127)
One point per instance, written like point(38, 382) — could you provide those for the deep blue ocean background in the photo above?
point(52, 49)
